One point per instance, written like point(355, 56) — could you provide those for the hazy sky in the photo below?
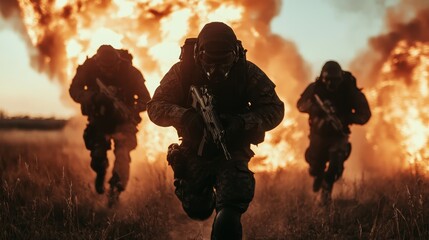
point(321, 29)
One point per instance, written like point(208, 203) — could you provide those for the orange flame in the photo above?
point(63, 33)
point(399, 129)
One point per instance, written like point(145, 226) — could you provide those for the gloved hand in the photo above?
point(101, 105)
point(193, 125)
point(329, 105)
point(233, 126)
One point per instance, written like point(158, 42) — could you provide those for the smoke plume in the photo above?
point(60, 34)
point(395, 67)
point(408, 21)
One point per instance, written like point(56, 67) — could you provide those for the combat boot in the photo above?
point(116, 187)
point(325, 196)
point(317, 184)
point(99, 164)
point(113, 198)
point(99, 181)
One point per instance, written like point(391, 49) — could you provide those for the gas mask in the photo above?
point(332, 80)
point(216, 65)
point(107, 60)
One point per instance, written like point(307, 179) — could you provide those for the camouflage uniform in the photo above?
point(233, 181)
point(326, 143)
point(104, 121)
point(207, 182)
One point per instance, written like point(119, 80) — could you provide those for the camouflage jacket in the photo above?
point(128, 82)
point(350, 104)
point(255, 100)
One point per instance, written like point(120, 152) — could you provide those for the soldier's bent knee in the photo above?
point(200, 211)
point(198, 206)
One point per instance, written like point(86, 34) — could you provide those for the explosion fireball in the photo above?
point(61, 34)
point(399, 129)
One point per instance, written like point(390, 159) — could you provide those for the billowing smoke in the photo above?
point(55, 27)
point(9, 10)
point(275, 55)
point(52, 26)
point(60, 34)
point(407, 21)
point(395, 67)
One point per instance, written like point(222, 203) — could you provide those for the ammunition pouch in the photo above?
point(177, 160)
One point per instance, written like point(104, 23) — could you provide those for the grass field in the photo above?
point(47, 193)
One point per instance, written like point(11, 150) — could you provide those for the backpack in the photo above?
point(125, 54)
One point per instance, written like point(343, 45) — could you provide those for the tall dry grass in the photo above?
point(47, 193)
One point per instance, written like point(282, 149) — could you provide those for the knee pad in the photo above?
point(227, 225)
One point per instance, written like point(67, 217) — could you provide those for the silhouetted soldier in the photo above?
point(333, 102)
point(112, 93)
point(215, 148)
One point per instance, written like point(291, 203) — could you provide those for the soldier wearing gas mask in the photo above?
point(246, 104)
point(333, 103)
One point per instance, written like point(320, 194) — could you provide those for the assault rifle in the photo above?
point(330, 115)
point(123, 110)
point(202, 101)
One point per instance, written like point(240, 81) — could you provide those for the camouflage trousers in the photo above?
point(215, 183)
point(98, 140)
point(324, 149)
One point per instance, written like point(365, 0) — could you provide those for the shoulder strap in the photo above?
point(242, 69)
point(187, 63)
